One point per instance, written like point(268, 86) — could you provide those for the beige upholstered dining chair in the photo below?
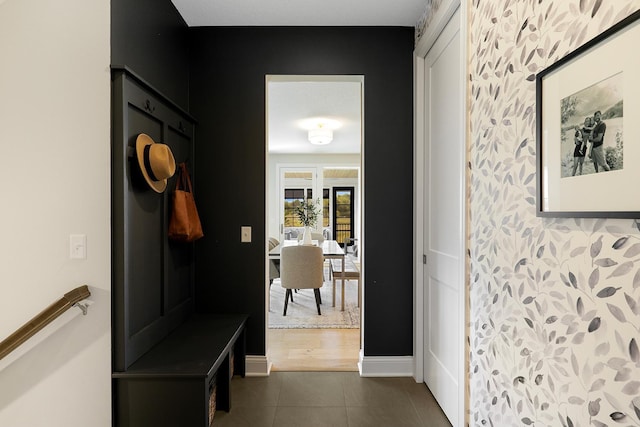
point(320, 237)
point(314, 236)
point(301, 268)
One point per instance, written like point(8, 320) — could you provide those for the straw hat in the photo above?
point(156, 162)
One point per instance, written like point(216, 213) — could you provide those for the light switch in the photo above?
point(245, 234)
point(78, 246)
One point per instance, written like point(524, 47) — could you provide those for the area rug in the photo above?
point(302, 312)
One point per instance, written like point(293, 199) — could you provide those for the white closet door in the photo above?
point(443, 208)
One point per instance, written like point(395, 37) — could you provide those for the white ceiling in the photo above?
point(293, 99)
point(198, 13)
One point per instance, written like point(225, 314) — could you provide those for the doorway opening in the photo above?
point(329, 176)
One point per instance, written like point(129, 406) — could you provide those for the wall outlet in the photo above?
point(245, 234)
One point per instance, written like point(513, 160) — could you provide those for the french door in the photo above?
point(295, 184)
point(343, 198)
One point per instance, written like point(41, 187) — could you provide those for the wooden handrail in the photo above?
point(45, 317)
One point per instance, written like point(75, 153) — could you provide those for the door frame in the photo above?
point(438, 21)
point(265, 362)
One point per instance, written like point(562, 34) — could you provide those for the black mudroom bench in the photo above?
point(180, 380)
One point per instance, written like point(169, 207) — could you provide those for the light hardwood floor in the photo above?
point(323, 350)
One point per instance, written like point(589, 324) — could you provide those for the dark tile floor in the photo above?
point(313, 399)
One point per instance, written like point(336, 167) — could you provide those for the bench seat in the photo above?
point(182, 378)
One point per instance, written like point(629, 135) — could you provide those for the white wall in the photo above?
point(55, 170)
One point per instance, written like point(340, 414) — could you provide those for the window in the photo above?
point(293, 197)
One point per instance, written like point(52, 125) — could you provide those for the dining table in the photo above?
point(330, 249)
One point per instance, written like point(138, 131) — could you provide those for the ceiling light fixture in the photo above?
point(320, 135)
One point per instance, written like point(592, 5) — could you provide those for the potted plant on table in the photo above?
point(308, 212)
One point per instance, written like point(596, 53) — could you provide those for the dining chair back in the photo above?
point(301, 268)
point(314, 236)
point(274, 265)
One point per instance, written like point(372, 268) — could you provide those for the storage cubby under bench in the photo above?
point(181, 379)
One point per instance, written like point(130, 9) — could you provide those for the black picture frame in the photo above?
point(598, 76)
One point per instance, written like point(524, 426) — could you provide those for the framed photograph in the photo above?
point(587, 106)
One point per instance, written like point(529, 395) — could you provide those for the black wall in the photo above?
point(152, 278)
point(227, 97)
point(218, 75)
point(151, 38)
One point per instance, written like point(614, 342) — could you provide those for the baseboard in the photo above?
point(386, 366)
point(369, 366)
point(257, 366)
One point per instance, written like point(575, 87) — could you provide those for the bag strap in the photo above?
point(179, 179)
point(183, 182)
point(187, 178)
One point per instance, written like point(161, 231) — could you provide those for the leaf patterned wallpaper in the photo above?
point(430, 8)
point(554, 331)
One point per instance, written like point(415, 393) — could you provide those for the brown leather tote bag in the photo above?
point(184, 225)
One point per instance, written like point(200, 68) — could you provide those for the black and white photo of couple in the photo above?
point(591, 129)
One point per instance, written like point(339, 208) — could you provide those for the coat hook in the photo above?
point(149, 107)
